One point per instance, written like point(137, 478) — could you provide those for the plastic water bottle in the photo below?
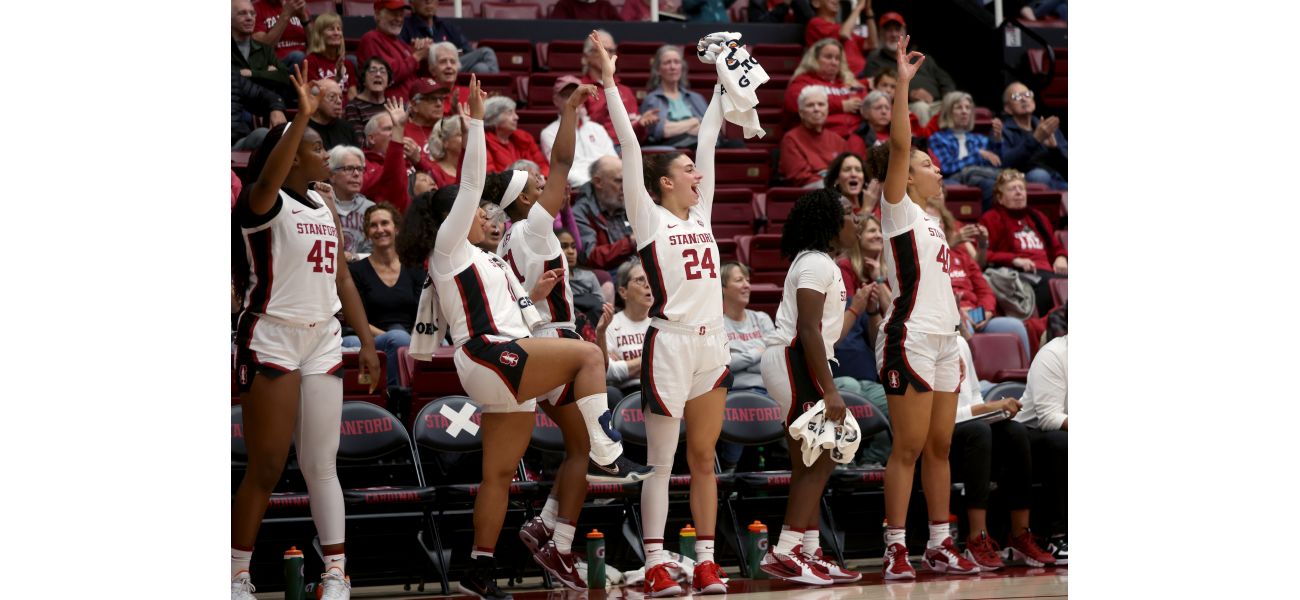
point(293, 575)
point(757, 548)
point(686, 541)
point(595, 560)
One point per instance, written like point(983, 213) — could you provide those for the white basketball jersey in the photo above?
point(292, 257)
point(624, 337)
point(917, 263)
point(531, 248)
point(818, 272)
point(479, 300)
point(682, 263)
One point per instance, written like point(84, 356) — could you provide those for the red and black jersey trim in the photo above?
point(896, 373)
point(650, 400)
point(474, 301)
point(247, 365)
point(804, 389)
point(558, 300)
point(259, 245)
point(506, 359)
point(654, 274)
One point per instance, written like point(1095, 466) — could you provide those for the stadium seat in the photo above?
point(354, 390)
point(239, 158)
point(727, 250)
point(541, 89)
point(963, 201)
point(772, 93)
point(1055, 94)
point(358, 8)
point(743, 167)
point(999, 357)
point(733, 213)
point(534, 120)
point(563, 55)
point(635, 57)
point(1049, 202)
point(765, 261)
point(636, 82)
point(518, 10)
point(1060, 287)
point(751, 419)
point(513, 56)
point(495, 84)
point(779, 59)
point(779, 202)
point(320, 7)
point(765, 297)
point(433, 379)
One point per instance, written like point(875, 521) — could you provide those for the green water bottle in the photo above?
point(686, 541)
point(293, 576)
point(757, 548)
point(595, 560)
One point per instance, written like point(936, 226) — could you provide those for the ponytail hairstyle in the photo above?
point(656, 166)
point(420, 227)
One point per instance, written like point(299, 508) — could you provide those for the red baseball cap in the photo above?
point(425, 86)
point(889, 17)
point(390, 4)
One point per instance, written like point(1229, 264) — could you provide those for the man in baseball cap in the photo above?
point(592, 141)
point(428, 97)
point(403, 59)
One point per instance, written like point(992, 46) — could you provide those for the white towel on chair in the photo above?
point(429, 328)
point(739, 75)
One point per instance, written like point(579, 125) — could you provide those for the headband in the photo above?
point(517, 182)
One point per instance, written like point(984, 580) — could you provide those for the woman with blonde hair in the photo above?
point(964, 156)
point(326, 54)
point(823, 65)
point(446, 146)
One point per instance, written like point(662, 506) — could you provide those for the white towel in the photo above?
point(740, 75)
point(429, 328)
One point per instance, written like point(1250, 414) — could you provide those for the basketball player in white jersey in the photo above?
point(592, 452)
point(796, 371)
point(685, 357)
point(288, 365)
point(916, 349)
point(490, 319)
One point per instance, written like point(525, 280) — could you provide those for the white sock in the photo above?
point(239, 560)
point(654, 552)
point(481, 551)
point(938, 533)
point(703, 549)
point(604, 450)
point(335, 561)
point(895, 535)
point(788, 540)
point(550, 511)
point(563, 536)
point(812, 540)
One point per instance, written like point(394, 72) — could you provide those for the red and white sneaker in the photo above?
point(660, 583)
point(1024, 549)
point(984, 551)
point(896, 565)
point(792, 566)
point(946, 559)
point(534, 534)
point(707, 579)
point(560, 566)
point(837, 573)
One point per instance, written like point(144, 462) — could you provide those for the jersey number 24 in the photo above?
point(695, 265)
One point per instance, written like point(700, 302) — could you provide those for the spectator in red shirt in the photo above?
point(370, 100)
point(823, 66)
point(847, 173)
point(403, 60)
point(506, 143)
point(446, 146)
point(596, 109)
point(326, 54)
point(428, 98)
point(280, 26)
point(826, 25)
point(386, 156)
point(444, 65)
point(639, 10)
point(1022, 238)
point(583, 10)
point(807, 150)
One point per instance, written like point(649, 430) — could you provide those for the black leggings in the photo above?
point(1051, 464)
point(1043, 291)
point(978, 448)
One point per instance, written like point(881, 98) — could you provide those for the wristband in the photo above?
point(856, 314)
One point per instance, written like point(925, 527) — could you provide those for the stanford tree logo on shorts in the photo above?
point(243, 374)
point(509, 359)
point(893, 378)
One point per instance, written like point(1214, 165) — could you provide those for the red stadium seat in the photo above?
point(765, 297)
point(434, 379)
point(1060, 290)
point(765, 260)
point(239, 158)
point(733, 212)
point(520, 10)
point(999, 357)
point(743, 167)
point(495, 84)
point(772, 93)
point(1056, 92)
point(541, 89)
point(778, 204)
point(358, 8)
point(1049, 202)
point(727, 249)
point(637, 82)
point(514, 56)
point(320, 7)
point(964, 202)
point(563, 55)
point(355, 390)
point(634, 57)
point(534, 120)
point(779, 59)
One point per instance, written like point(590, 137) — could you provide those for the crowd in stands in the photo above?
point(389, 119)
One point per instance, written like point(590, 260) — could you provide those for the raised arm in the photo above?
point(636, 200)
point(553, 196)
point(261, 199)
point(900, 130)
point(707, 147)
point(451, 247)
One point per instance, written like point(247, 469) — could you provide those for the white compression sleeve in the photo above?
point(316, 438)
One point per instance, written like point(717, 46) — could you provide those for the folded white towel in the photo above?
point(739, 75)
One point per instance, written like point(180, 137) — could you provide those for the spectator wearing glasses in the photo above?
point(402, 58)
point(423, 22)
point(1030, 144)
point(596, 109)
point(387, 156)
point(428, 99)
point(966, 157)
point(369, 101)
point(328, 118)
point(347, 173)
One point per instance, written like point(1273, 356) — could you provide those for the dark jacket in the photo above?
point(1022, 152)
point(414, 27)
point(759, 13)
point(931, 78)
point(247, 98)
point(260, 56)
point(606, 238)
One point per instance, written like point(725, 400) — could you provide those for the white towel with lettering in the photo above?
point(740, 75)
point(429, 329)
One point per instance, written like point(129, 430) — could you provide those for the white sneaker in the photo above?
point(241, 587)
point(334, 586)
